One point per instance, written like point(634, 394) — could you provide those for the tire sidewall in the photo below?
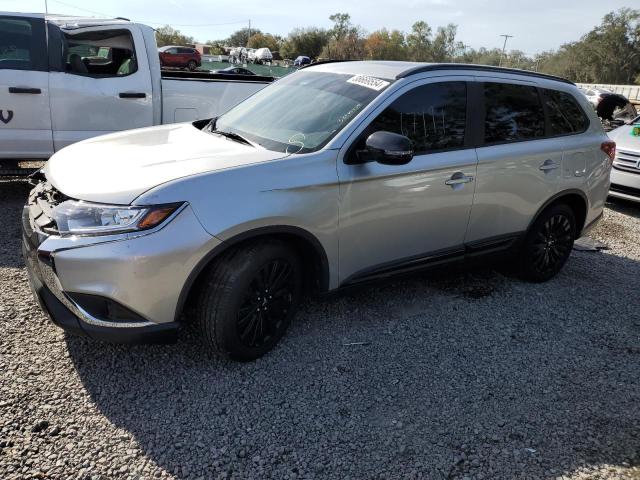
point(246, 272)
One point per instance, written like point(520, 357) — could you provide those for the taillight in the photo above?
point(610, 149)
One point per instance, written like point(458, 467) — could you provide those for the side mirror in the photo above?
point(389, 148)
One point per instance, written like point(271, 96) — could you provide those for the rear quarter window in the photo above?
point(565, 115)
point(513, 113)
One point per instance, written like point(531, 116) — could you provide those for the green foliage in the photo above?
point(168, 35)
point(386, 45)
point(265, 40)
point(419, 42)
point(240, 38)
point(610, 53)
point(304, 41)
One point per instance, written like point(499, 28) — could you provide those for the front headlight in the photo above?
point(82, 218)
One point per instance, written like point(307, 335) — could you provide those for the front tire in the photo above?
point(192, 65)
point(548, 244)
point(248, 299)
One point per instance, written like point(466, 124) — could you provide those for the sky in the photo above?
point(536, 25)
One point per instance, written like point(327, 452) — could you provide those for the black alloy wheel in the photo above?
point(267, 303)
point(548, 243)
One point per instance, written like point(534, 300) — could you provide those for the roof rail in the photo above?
point(484, 68)
point(323, 62)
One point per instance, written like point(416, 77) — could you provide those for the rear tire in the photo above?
point(548, 244)
point(248, 299)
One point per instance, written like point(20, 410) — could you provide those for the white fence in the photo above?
point(632, 92)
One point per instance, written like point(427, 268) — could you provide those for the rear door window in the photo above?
point(433, 116)
point(100, 53)
point(22, 44)
point(513, 113)
point(564, 114)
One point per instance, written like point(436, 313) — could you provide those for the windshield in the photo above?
point(300, 113)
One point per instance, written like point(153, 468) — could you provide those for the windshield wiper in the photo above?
point(233, 136)
point(211, 128)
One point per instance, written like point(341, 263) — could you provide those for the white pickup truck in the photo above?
point(64, 79)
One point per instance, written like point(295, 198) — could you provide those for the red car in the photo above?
point(180, 57)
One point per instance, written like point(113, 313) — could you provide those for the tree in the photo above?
point(419, 42)
point(610, 53)
point(443, 46)
point(341, 25)
point(304, 41)
point(240, 38)
point(168, 35)
point(385, 45)
point(346, 40)
point(265, 40)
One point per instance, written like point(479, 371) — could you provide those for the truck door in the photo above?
point(103, 83)
point(25, 120)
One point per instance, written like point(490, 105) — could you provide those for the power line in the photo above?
point(152, 23)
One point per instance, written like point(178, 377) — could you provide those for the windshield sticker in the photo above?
point(368, 82)
point(635, 131)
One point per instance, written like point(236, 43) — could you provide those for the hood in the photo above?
point(119, 167)
point(623, 138)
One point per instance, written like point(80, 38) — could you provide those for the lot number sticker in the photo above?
point(369, 82)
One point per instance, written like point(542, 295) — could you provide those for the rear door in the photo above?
point(25, 120)
point(519, 166)
point(90, 97)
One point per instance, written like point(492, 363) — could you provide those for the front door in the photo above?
point(105, 85)
point(393, 216)
point(25, 119)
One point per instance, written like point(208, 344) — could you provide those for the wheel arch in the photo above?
point(576, 199)
point(311, 251)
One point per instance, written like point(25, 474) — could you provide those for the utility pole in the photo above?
point(249, 33)
point(504, 47)
point(46, 7)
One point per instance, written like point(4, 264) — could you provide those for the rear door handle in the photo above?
point(549, 165)
point(458, 178)
point(132, 95)
point(32, 91)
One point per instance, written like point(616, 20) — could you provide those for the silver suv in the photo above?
point(334, 175)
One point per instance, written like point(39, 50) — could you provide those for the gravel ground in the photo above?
point(472, 375)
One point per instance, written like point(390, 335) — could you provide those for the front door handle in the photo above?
point(32, 91)
point(549, 165)
point(458, 178)
point(132, 95)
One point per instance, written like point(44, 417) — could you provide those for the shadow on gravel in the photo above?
point(625, 207)
point(13, 195)
point(455, 375)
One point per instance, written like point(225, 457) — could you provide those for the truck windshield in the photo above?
point(300, 113)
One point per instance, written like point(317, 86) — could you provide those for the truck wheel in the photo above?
point(248, 299)
point(192, 65)
point(548, 244)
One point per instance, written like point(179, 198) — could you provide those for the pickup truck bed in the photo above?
point(183, 97)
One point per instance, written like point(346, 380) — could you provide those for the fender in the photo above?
point(248, 235)
point(564, 193)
